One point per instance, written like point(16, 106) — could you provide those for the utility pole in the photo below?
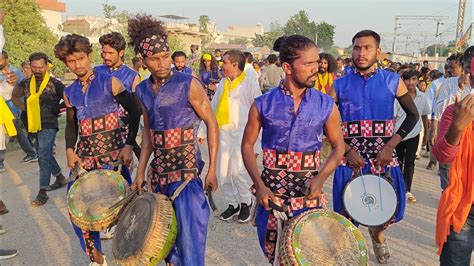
point(397, 24)
point(437, 35)
point(460, 23)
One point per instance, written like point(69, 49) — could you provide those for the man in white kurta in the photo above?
point(240, 91)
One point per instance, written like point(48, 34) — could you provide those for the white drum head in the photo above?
point(372, 206)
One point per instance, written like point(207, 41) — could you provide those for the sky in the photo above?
point(348, 16)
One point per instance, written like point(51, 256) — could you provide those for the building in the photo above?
point(235, 32)
point(91, 27)
point(52, 13)
point(186, 33)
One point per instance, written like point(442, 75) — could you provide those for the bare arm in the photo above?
point(251, 132)
point(334, 135)
point(146, 150)
point(17, 94)
point(135, 83)
point(202, 107)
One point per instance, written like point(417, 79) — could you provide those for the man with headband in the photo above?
point(366, 101)
point(92, 103)
point(174, 103)
point(292, 117)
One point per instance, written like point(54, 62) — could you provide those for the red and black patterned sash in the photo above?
point(174, 156)
point(100, 140)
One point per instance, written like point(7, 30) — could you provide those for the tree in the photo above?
point(441, 49)
point(325, 35)
point(26, 32)
point(300, 24)
point(240, 40)
point(258, 40)
point(109, 9)
point(204, 21)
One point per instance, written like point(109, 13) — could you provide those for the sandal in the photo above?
point(40, 200)
point(381, 250)
point(56, 185)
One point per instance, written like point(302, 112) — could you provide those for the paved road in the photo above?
point(43, 235)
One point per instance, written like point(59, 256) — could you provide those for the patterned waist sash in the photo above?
point(368, 128)
point(291, 161)
point(99, 140)
point(174, 156)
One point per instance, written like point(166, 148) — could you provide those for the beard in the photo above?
point(307, 83)
point(359, 67)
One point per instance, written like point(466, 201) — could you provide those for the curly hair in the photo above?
point(290, 46)
point(141, 26)
point(71, 43)
point(214, 64)
point(114, 39)
point(332, 65)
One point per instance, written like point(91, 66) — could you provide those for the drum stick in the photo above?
point(275, 207)
point(122, 201)
point(211, 200)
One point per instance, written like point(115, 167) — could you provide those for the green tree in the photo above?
point(109, 9)
point(240, 40)
point(268, 38)
point(301, 24)
point(26, 32)
point(203, 28)
point(325, 35)
point(441, 49)
point(258, 40)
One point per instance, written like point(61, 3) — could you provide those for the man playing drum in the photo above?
point(92, 102)
point(174, 103)
point(366, 103)
point(292, 116)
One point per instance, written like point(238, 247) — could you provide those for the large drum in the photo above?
point(91, 196)
point(322, 237)
point(146, 231)
point(370, 200)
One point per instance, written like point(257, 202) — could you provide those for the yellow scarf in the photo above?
point(222, 112)
point(33, 111)
point(6, 118)
point(323, 81)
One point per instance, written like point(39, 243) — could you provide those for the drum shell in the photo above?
point(110, 217)
point(159, 240)
point(290, 253)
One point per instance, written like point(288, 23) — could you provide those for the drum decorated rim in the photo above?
point(314, 214)
point(118, 178)
point(353, 180)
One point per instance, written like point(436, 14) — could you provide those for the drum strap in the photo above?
point(180, 189)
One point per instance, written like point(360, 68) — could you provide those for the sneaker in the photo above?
point(93, 263)
point(431, 166)
point(7, 253)
point(410, 197)
point(229, 213)
point(2, 168)
point(30, 159)
point(107, 233)
point(244, 215)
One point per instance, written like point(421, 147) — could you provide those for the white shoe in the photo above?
point(107, 233)
point(410, 197)
point(93, 263)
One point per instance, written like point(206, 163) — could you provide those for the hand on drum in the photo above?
point(210, 182)
point(264, 195)
point(384, 157)
point(316, 188)
point(354, 159)
point(138, 183)
point(126, 155)
point(72, 159)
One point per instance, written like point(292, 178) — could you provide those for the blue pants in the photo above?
point(458, 247)
point(47, 163)
point(192, 213)
point(343, 176)
point(92, 238)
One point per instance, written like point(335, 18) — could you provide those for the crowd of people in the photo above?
point(305, 114)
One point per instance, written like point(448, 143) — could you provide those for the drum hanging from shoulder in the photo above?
point(322, 237)
point(91, 196)
point(370, 200)
point(146, 231)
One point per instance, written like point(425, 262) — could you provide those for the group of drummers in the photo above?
point(289, 123)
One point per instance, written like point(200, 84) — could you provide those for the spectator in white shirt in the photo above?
point(406, 149)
